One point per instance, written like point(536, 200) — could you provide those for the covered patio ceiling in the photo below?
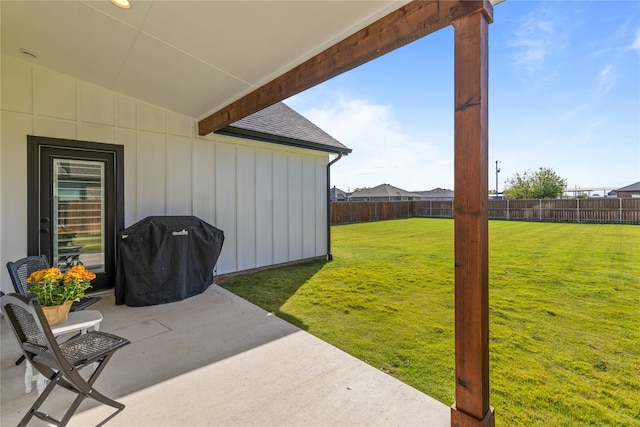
point(202, 58)
point(217, 62)
point(191, 57)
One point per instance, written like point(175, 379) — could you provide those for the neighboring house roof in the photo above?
point(337, 193)
point(632, 187)
point(280, 124)
point(383, 190)
point(436, 193)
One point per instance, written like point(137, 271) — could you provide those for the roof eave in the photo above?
point(281, 140)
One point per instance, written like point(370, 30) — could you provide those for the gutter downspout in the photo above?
point(329, 254)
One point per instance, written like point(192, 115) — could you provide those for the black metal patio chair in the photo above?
point(20, 270)
point(60, 363)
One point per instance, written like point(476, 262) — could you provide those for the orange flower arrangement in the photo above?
point(80, 273)
point(51, 287)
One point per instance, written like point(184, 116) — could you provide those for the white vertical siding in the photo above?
point(246, 203)
point(179, 185)
point(295, 207)
point(127, 114)
point(44, 126)
point(204, 182)
point(17, 87)
point(264, 208)
point(226, 206)
point(89, 132)
point(321, 200)
point(151, 173)
point(270, 200)
point(128, 138)
point(13, 197)
point(152, 119)
point(308, 208)
point(54, 95)
point(97, 106)
point(281, 212)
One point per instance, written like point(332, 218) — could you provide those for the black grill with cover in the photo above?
point(163, 259)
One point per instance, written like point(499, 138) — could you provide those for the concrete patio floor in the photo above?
point(216, 359)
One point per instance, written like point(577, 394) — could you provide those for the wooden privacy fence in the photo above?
point(81, 216)
point(609, 210)
point(606, 210)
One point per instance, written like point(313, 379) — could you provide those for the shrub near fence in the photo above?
point(605, 210)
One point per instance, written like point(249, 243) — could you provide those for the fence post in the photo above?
point(540, 210)
point(620, 209)
point(578, 208)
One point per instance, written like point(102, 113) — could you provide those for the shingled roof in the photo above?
point(633, 187)
point(384, 191)
point(280, 124)
point(436, 193)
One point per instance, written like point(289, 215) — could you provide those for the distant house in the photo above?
point(632, 190)
point(382, 193)
point(437, 194)
point(337, 195)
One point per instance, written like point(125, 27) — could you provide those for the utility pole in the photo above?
point(497, 172)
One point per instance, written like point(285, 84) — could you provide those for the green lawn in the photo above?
point(564, 313)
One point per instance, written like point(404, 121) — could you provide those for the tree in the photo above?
point(541, 184)
point(360, 189)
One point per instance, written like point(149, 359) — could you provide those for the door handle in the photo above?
point(44, 230)
point(44, 220)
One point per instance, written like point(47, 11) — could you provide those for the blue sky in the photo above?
point(564, 93)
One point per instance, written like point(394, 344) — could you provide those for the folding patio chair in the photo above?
point(60, 363)
point(20, 271)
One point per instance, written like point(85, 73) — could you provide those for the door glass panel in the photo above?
point(78, 214)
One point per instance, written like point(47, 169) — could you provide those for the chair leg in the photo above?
point(93, 393)
point(85, 389)
point(41, 383)
point(28, 378)
point(39, 401)
point(77, 384)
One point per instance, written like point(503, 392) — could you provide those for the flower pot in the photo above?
point(57, 314)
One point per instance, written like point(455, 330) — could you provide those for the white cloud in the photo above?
point(383, 151)
point(606, 80)
point(536, 39)
point(635, 45)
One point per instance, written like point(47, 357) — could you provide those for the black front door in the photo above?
point(75, 217)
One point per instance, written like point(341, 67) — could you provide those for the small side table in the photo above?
point(80, 321)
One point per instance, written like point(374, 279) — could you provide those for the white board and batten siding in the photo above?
point(269, 199)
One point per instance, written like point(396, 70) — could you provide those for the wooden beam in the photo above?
point(471, 181)
point(409, 23)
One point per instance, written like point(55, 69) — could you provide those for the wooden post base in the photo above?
point(460, 419)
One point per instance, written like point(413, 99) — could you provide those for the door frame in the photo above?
point(35, 144)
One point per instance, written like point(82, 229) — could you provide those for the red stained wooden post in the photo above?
point(470, 21)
